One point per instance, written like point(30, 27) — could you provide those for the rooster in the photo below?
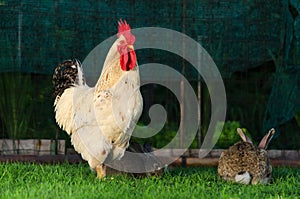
point(100, 119)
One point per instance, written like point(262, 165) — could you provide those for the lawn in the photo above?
point(27, 180)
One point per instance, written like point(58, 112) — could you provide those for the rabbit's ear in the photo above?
point(243, 136)
point(266, 139)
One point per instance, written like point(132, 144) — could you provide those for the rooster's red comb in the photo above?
point(123, 26)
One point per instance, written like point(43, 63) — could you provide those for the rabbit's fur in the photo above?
point(245, 163)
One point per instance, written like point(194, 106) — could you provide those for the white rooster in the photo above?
point(100, 120)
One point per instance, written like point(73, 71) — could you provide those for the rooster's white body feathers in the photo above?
point(100, 120)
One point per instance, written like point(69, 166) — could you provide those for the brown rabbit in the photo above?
point(245, 163)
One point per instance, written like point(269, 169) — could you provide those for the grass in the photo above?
point(27, 180)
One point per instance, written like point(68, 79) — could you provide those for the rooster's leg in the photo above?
point(101, 171)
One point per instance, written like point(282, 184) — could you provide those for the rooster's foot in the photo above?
point(101, 171)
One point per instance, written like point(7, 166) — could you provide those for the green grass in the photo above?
point(25, 180)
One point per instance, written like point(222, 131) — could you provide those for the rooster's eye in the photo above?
point(122, 42)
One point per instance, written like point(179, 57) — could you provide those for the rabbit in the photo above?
point(245, 163)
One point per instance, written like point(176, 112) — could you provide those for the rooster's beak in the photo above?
point(130, 47)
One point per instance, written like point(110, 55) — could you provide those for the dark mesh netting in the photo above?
point(239, 35)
